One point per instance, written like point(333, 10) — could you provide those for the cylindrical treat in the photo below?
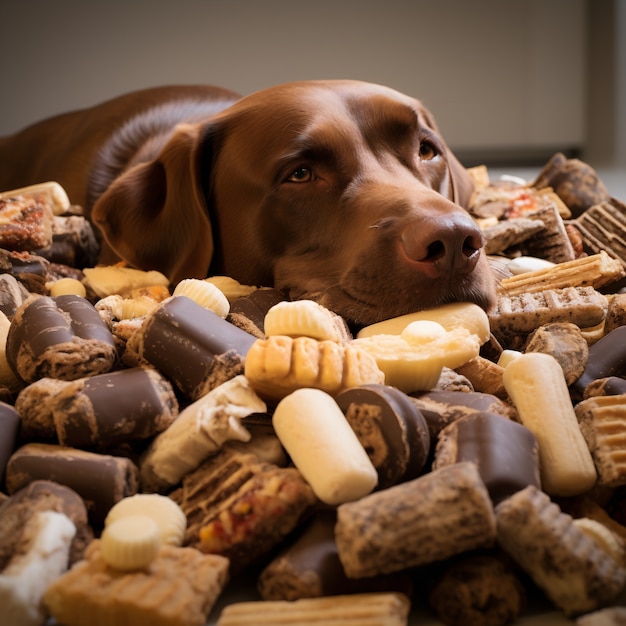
point(323, 446)
point(607, 357)
point(62, 337)
point(536, 384)
point(506, 453)
point(248, 312)
point(9, 426)
point(34, 403)
point(101, 480)
point(428, 519)
point(390, 427)
point(192, 346)
point(310, 568)
point(102, 411)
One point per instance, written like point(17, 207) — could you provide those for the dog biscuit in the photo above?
point(50, 192)
point(571, 568)
point(107, 280)
point(278, 365)
point(205, 294)
point(593, 271)
point(536, 385)
point(305, 318)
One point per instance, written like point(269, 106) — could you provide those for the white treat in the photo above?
point(199, 431)
point(536, 384)
point(24, 581)
point(323, 446)
point(524, 264)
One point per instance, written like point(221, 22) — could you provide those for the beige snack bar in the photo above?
point(536, 384)
point(594, 271)
point(364, 609)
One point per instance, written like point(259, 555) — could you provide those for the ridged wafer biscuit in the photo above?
point(278, 365)
point(594, 271)
point(603, 227)
point(570, 567)
point(602, 422)
point(179, 588)
point(364, 609)
point(523, 313)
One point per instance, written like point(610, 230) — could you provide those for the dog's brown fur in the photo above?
point(339, 191)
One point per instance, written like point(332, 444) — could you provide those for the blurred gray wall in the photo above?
point(506, 79)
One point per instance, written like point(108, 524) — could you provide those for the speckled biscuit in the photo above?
point(523, 313)
point(393, 529)
point(571, 568)
point(507, 233)
point(565, 342)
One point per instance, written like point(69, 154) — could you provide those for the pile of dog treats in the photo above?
point(160, 444)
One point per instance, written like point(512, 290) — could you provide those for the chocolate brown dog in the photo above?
point(339, 191)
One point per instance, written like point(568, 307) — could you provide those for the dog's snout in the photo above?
point(442, 245)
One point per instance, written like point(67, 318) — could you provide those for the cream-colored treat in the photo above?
point(603, 536)
point(594, 271)
point(523, 264)
point(130, 543)
point(414, 359)
point(612, 616)
point(571, 568)
point(199, 431)
point(53, 193)
point(278, 365)
point(442, 513)
point(536, 385)
point(27, 576)
point(168, 516)
point(305, 318)
point(230, 287)
point(364, 609)
point(206, 294)
point(602, 421)
point(115, 279)
point(178, 588)
point(323, 446)
point(450, 316)
point(65, 286)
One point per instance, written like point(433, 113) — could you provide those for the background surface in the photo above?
point(510, 82)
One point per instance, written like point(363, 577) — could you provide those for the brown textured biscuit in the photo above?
point(570, 567)
point(566, 343)
point(508, 233)
point(477, 590)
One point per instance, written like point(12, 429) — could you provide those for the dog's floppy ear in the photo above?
point(154, 215)
point(460, 181)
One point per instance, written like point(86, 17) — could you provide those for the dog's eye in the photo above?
point(301, 175)
point(427, 151)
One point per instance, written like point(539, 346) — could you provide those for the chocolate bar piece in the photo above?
point(192, 346)
point(248, 312)
point(9, 426)
point(102, 411)
point(61, 337)
point(101, 480)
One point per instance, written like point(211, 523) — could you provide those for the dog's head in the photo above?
point(339, 191)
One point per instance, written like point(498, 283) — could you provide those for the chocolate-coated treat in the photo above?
point(102, 411)
point(35, 404)
point(609, 386)
point(505, 452)
point(12, 294)
point(310, 567)
point(61, 337)
point(42, 495)
point(607, 357)
point(390, 427)
point(441, 408)
point(9, 427)
point(477, 590)
point(21, 263)
point(191, 345)
point(73, 242)
point(101, 480)
point(248, 312)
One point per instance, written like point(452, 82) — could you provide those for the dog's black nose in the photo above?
point(443, 244)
